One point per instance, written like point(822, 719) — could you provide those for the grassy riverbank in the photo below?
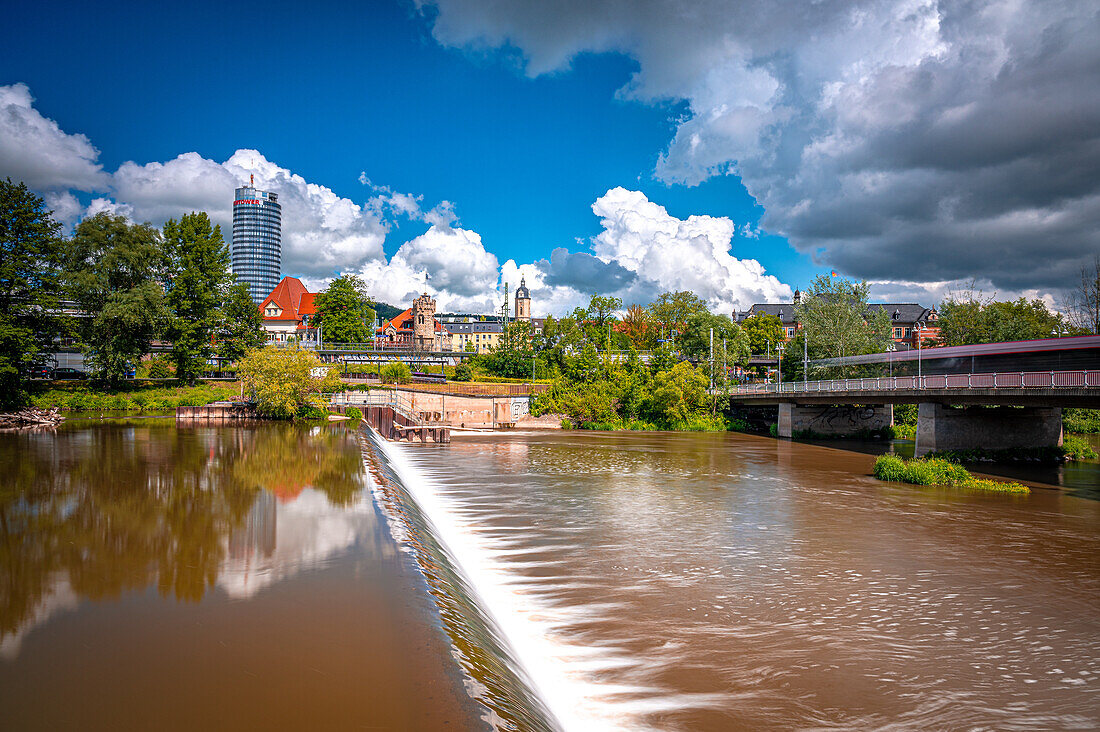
point(937, 471)
point(143, 398)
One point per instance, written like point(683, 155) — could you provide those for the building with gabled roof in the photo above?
point(288, 312)
point(908, 320)
point(416, 328)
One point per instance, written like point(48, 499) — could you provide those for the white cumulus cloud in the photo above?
point(35, 150)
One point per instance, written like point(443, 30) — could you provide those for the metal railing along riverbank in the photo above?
point(1000, 380)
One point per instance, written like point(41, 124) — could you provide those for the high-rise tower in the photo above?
point(523, 301)
point(257, 251)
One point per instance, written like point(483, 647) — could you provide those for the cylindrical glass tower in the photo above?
point(257, 241)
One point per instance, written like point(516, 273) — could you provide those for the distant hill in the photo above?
point(386, 311)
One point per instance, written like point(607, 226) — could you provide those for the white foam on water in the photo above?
point(559, 670)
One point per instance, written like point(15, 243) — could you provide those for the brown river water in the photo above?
point(286, 577)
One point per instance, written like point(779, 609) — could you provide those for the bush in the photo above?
point(159, 368)
point(396, 373)
point(738, 425)
point(353, 413)
point(1077, 448)
point(310, 412)
point(1082, 421)
point(903, 432)
point(773, 429)
point(463, 373)
point(937, 471)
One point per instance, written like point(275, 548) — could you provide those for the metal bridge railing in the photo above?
point(998, 380)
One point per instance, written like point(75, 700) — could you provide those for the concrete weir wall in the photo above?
point(833, 420)
point(467, 411)
point(1000, 428)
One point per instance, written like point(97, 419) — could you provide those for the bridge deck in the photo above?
point(1035, 388)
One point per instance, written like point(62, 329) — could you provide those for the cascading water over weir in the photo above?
point(496, 678)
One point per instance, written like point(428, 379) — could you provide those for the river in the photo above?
point(283, 577)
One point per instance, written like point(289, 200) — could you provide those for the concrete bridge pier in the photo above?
point(838, 421)
point(1001, 428)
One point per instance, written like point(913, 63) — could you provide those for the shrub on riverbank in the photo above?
point(396, 373)
point(1082, 421)
point(353, 413)
point(283, 381)
point(133, 398)
point(1072, 448)
point(937, 471)
point(904, 432)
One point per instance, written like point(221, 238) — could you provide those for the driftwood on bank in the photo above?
point(31, 417)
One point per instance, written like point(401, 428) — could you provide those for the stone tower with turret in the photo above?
point(523, 302)
point(423, 314)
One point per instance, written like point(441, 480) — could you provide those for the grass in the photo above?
point(937, 471)
point(146, 399)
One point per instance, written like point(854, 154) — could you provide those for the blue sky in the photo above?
point(521, 123)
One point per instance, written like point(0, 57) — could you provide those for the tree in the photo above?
point(695, 340)
point(283, 380)
point(968, 318)
point(344, 311)
point(639, 328)
point(1082, 305)
point(240, 328)
point(677, 395)
point(764, 332)
point(836, 321)
point(198, 272)
point(113, 271)
point(671, 310)
point(599, 316)
point(29, 285)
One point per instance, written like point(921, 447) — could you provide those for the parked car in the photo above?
point(39, 372)
point(66, 373)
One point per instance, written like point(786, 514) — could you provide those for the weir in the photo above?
point(501, 682)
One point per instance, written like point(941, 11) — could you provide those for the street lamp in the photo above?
point(917, 328)
point(779, 350)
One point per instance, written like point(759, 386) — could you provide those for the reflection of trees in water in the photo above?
point(117, 508)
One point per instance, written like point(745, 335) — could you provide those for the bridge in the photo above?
point(995, 410)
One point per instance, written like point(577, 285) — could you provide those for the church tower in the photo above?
point(523, 301)
point(423, 314)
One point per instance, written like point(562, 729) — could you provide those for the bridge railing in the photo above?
point(999, 380)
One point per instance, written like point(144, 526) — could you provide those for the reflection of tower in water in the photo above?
point(257, 535)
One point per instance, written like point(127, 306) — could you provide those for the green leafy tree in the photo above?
point(113, 271)
point(344, 311)
point(764, 332)
point(198, 272)
point(695, 341)
point(29, 285)
point(677, 395)
point(282, 380)
point(663, 359)
point(671, 310)
point(463, 373)
point(969, 318)
point(600, 319)
point(836, 322)
point(240, 328)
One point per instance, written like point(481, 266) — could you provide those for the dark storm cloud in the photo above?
point(919, 140)
point(585, 273)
